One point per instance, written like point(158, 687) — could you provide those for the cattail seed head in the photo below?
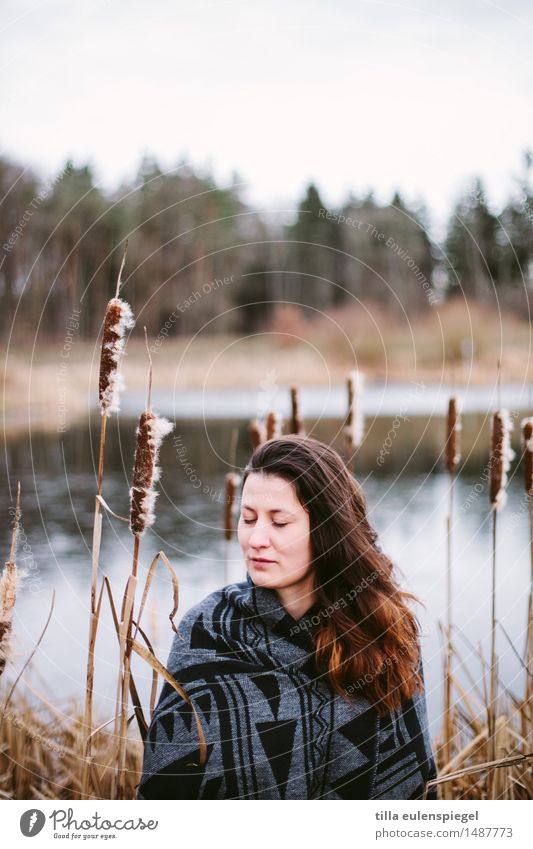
point(232, 482)
point(354, 428)
point(500, 458)
point(527, 445)
point(8, 594)
point(297, 424)
point(151, 431)
point(453, 429)
point(273, 425)
point(257, 432)
point(118, 319)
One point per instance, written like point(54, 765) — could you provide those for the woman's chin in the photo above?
point(262, 578)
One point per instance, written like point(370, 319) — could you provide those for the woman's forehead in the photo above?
point(270, 492)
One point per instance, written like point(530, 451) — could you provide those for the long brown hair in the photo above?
point(367, 635)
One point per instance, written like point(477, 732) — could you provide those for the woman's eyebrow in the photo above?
point(275, 510)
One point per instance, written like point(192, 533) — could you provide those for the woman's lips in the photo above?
point(261, 562)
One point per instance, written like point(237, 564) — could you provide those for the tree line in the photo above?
point(61, 246)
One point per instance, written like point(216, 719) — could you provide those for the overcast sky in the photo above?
point(416, 95)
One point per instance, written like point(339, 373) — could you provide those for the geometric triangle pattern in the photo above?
point(269, 686)
point(271, 724)
point(277, 739)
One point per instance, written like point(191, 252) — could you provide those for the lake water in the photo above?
point(407, 499)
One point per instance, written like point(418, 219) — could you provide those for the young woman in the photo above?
point(306, 677)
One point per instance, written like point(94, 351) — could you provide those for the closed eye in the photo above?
point(276, 524)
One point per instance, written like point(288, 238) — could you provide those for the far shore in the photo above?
point(57, 384)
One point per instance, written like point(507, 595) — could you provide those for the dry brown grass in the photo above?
point(466, 759)
point(40, 745)
point(40, 754)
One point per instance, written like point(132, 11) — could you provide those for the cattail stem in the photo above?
point(231, 484)
point(150, 367)
point(93, 618)
point(227, 550)
point(233, 446)
point(125, 637)
point(135, 556)
point(529, 632)
point(493, 660)
point(103, 427)
point(150, 433)
point(500, 460)
point(448, 711)
point(452, 456)
point(527, 444)
point(119, 279)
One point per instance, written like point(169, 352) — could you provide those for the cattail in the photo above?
point(453, 429)
point(8, 591)
point(453, 456)
point(527, 445)
point(151, 431)
point(501, 456)
point(297, 425)
point(257, 432)
point(500, 462)
point(353, 430)
point(118, 319)
point(232, 482)
point(273, 425)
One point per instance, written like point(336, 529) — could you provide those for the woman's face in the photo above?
point(274, 533)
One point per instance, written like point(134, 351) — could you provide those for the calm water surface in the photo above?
point(407, 499)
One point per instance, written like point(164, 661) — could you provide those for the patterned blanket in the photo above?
point(274, 728)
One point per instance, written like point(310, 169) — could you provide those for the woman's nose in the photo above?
point(259, 538)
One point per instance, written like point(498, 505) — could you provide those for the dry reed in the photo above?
point(501, 455)
point(469, 770)
point(39, 753)
point(354, 425)
point(150, 433)
point(257, 432)
point(453, 456)
point(296, 423)
point(274, 425)
point(118, 320)
point(8, 591)
point(453, 429)
point(527, 446)
point(231, 485)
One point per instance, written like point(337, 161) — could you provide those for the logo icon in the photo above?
point(32, 822)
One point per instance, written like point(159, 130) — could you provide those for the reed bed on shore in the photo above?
point(484, 750)
point(40, 753)
point(481, 760)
